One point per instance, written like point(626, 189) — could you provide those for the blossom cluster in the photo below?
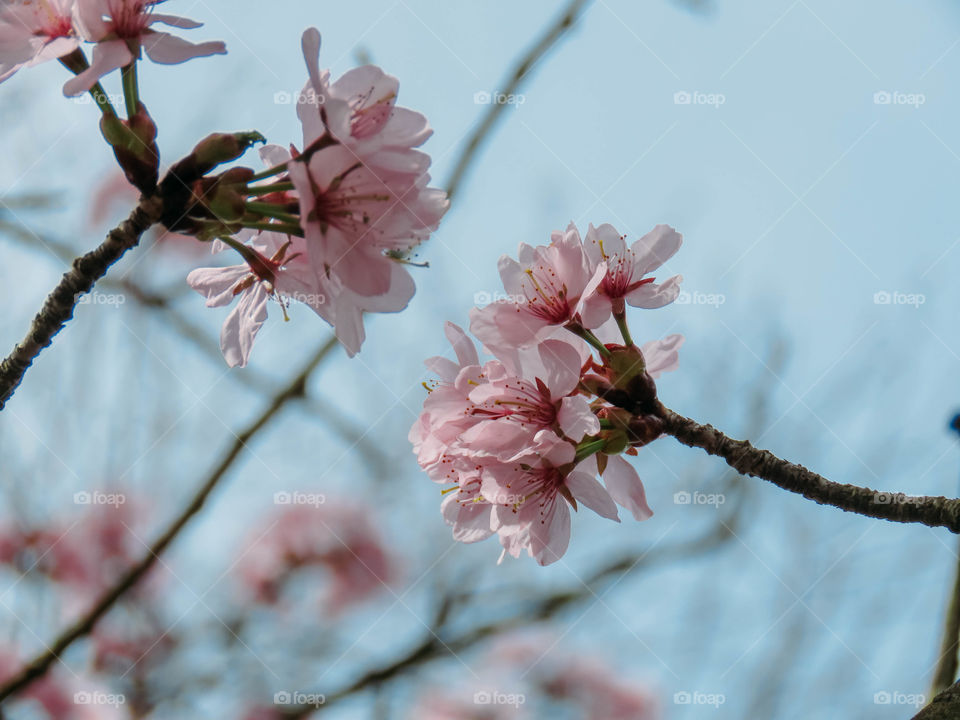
point(34, 31)
point(521, 438)
point(343, 213)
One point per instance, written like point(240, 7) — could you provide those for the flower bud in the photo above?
point(219, 148)
point(134, 145)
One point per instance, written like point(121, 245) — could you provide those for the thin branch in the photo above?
point(553, 33)
point(748, 460)
point(83, 626)
point(945, 706)
point(946, 672)
point(59, 305)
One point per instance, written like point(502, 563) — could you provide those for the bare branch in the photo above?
point(59, 305)
point(83, 626)
point(748, 460)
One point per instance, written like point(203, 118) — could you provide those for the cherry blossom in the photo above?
point(544, 287)
point(625, 279)
point(120, 28)
point(34, 31)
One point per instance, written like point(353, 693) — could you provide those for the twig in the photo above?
point(748, 460)
point(59, 305)
point(523, 66)
point(946, 672)
point(945, 706)
point(83, 626)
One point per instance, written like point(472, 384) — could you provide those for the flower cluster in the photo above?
point(340, 216)
point(521, 438)
point(34, 31)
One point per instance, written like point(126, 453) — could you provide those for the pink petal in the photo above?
point(174, 21)
point(662, 355)
point(169, 49)
point(217, 284)
point(107, 57)
point(462, 345)
point(655, 248)
point(589, 492)
point(549, 539)
point(576, 418)
point(626, 488)
point(561, 364)
point(242, 325)
point(652, 295)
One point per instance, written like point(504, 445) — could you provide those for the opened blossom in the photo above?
point(516, 441)
point(263, 277)
point(627, 268)
point(34, 31)
point(121, 28)
point(545, 287)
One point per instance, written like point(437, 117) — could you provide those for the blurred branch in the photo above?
point(748, 460)
point(36, 668)
point(59, 305)
point(435, 647)
point(946, 672)
point(547, 41)
point(180, 322)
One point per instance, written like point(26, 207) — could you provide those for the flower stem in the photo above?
point(285, 228)
point(268, 189)
point(581, 332)
point(131, 92)
point(272, 211)
point(76, 62)
point(269, 172)
point(588, 448)
point(621, 319)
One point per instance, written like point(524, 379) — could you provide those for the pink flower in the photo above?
point(362, 188)
point(32, 32)
point(544, 290)
point(531, 495)
point(262, 278)
point(360, 111)
point(337, 538)
point(626, 268)
point(120, 28)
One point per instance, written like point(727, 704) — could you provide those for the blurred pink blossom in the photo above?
point(32, 32)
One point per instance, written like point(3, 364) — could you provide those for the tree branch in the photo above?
point(748, 460)
point(523, 66)
point(83, 626)
point(945, 706)
point(59, 305)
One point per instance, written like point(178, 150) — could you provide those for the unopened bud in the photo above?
point(219, 148)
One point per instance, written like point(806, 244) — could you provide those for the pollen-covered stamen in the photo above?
point(523, 403)
point(370, 115)
point(546, 295)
